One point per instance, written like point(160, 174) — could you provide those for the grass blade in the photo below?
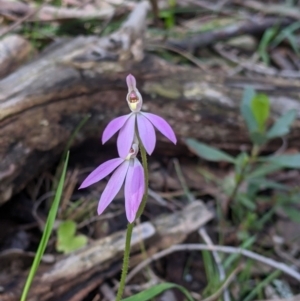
point(156, 290)
point(47, 231)
point(262, 284)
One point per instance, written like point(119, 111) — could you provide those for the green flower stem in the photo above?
point(130, 227)
point(125, 261)
point(253, 156)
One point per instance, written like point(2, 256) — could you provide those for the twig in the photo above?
point(37, 203)
point(204, 39)
point(203, 233)
point(182, 181)
point(183, 53)
point(107, 291)
point(294, 298)
point(142, 247)
point(172, 206)
point(258, 68)
point(231, 250)
point(286, 255)
point(21, 20)
point(157, 198)
point(281, 10)
point(155, 11)
point(217, 8)
point(141, 287)
point(99, 218)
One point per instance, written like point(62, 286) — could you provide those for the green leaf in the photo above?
point(246, 111)
point(156, 290)
point(292, 213)
point(288, 33)
point(263, 283)
point(267, 184)
point(293, 41)
point(66, 230)
point(244, 200)
point(67, 242)
point(267, 37)
point(265, 218)
point(287, 161)
point(294, 198)
point(245, 245)
point(211, 274)
point(263, 170)
point(74, 244)
point(208, 153)
point(47, 231)
point(282, 126)
point(260, 107)
point(252, 189)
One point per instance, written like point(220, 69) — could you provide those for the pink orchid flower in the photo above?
point(129, 170)
point(143, 122)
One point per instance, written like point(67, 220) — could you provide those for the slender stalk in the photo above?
point(125, 261)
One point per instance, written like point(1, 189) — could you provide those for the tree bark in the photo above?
point(43, 102)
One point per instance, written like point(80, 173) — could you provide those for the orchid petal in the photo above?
point(134, 189)
point(131, 82)
point(113, 127)
point(113, 186)
point(101, 172)
point(146, 133)
point(162, 126)
point(126, 136)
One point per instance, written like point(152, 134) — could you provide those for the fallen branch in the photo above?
point(231, 250)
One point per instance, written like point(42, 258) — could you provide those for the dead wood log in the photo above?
point(42, 103)
point(90, 266)
point(14, 51)
point(16, 9)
